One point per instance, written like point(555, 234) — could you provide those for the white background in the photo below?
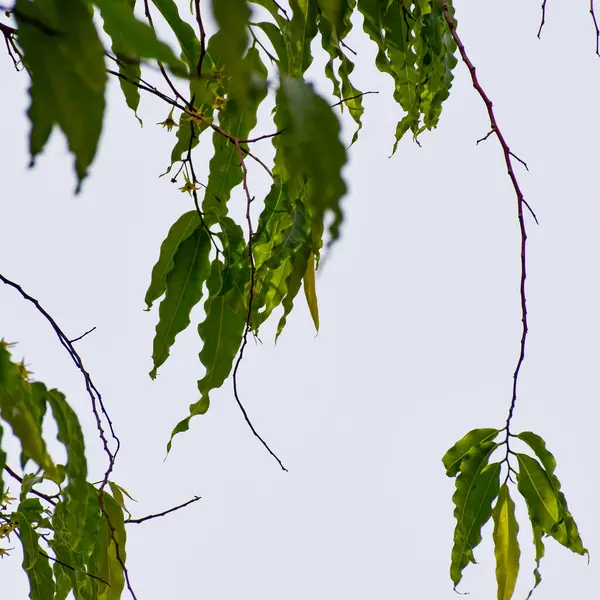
point(420, 332)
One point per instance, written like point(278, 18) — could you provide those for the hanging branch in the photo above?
point(162, 514)
point(595, 21)
point(508, 159)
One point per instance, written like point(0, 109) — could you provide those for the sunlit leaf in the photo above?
point(457, 453)
point(179, 232)
point(294, 283)
point(303, 29)
point(476, 488)
point(185, 281)
point(539, 554)
point(506, 544)
point(310, 290)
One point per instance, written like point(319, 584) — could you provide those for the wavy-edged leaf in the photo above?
point(221, 333)
point(190, 45)
point(16, 410)
point(71, 436)
point(454, 456)
point(35, 562)
point(185, 281)
point(66, 61)
point(35, 400)
point(279, 39)
point(129, 61)
point(104, 562)
point(566, 531)
point(180, 231)
point(535, 486)
point(294, 283)
point(303, 29)
point(476, 488)
point(140, 38)
point(539, 554)
point(506, 544)
point(310, 290)
point(313, 155)
point(238, 118)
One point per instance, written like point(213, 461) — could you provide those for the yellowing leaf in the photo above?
point(506, 544)
point(310, 290)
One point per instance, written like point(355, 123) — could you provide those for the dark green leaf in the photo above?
point(303, 29)
point(185, 281)
point(294, 282)
point(506, 544)
point(179, 232)
point(186, 37)
point(66, 61)
point(455, 455)
point(476, 488)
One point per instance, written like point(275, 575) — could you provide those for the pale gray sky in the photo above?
point(420, 331)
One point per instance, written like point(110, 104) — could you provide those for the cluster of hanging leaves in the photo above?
point(73, 541)
point(480, 494)
point(243, 271)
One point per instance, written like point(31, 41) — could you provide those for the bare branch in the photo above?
point(162, 514)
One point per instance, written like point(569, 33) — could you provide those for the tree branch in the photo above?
point(164, 513)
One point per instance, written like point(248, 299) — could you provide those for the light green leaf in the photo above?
point(221, 333)
point(310, 290)
point(303, 29)
point(476, 488)
point(455, 455)
point(66, 61)
point(190, 45)
point(140, 38)
point(294, 282)
point(566, 531)
point(180, 231)
point(129, 60)
point(35, 563)
point(539, 554)
point(185, 281)
point(506, 544)
point(535, 486)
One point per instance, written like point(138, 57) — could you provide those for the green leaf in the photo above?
point(539, 554)
point(190, 45)
point(66, 61)
point(71, 436)
point(506, 544)
point(294, 282)
point(110, 551)
point(140, 38)
point(185, 281)
point(16, 410)
point(566, 531)
point(476, 488)
point(279, 43)
point(221, 333)
point(457, 453)
point(35, 562)
point(313, 155)
point(535, 486)
point(129, 61)
point(180, 231)
point(303, 29)
point(310, 290)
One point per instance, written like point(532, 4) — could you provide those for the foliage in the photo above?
point(74, 540)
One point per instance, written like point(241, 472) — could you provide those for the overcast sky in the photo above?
point(420, 328)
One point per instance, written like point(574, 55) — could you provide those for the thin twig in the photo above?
point(60, 562)
point(282, 10)
point(202, 33)
point(83, 335)
point(162, 514)
point(17, 477)
point(351, 98)
point(543, 21)
point(508, 157)
point(595, 21)
point(250, 301)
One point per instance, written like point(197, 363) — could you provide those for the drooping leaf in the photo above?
point(71, 436)
point(476, 488)
point(179, 232)
point(190, 45)
point(140, 38)
point(35, 561)
point(539, 554)
point(185, 281)
point(566, 531)
point(110, 551)
point(35, 397)
point(128, 59)
point(453, 458)
point(312, 153)
point(294, 283)
point(506, 544)
point(66, 60)
point(303, 29)
point(221, 334)
point(535, 486)
point(310, 290)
